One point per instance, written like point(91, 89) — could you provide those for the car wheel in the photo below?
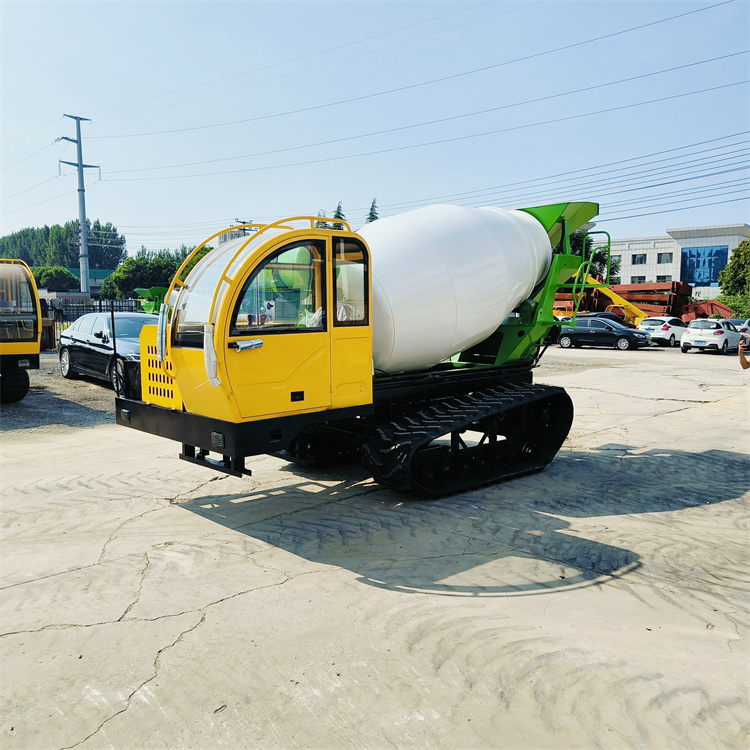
point(66, 369)
point(622, 343)
point(117, 376)
point(725, 347)
point(672, 341)
point(565, 341)
point(684, 349)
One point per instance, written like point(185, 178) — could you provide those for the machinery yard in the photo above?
point(148, 602)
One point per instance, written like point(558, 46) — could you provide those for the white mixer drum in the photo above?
point(444, 278)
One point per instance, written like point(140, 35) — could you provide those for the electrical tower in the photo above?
point(83, 252)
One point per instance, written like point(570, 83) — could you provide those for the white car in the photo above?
point(712, 335)
point(741, 324)
point(664, 330)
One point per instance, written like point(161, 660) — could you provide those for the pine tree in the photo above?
point(321, 224)
point(373, 213)
point(339, 214)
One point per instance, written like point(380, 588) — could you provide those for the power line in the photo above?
point(33, 187)
point(34, 132)
point(429, 122)
point(48, 200)
point(441, 141)
point(740, 181)
point(431, 81)
point(530, 197)
point(38, 151)
point(584, 169)
point(300, 58)
point(744, 189)
point(602, 219)
point(619, 180)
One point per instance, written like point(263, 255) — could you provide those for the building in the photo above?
point(695, 255)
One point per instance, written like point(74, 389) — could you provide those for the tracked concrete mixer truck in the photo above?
point(409, 344)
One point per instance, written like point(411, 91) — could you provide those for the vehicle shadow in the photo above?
point(41, 408)
point(510, 539)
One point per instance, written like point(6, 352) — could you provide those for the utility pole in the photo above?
point(244, 221)
point(83, 253)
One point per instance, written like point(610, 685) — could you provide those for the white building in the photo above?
point(694, 255)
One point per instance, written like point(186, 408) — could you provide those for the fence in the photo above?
point(63, 312)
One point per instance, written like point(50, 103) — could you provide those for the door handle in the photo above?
point(241, 346)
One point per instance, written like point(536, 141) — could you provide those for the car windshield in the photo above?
point(126, 328)
point(704, 324)
point(651, 322)
point(615, 323)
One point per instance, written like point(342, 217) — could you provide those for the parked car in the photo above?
point(87, 348)
point(601, 332)
point(712, 335)
point(605, 316)
point(741, 324)
point(664, 330)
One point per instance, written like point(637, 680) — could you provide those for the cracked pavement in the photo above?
point(146, 602)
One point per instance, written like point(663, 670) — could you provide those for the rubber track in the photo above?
point(395, 453)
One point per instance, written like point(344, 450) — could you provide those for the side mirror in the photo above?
point(101, 335)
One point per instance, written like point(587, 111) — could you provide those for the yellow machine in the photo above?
point(267, 347)
point(20, 329)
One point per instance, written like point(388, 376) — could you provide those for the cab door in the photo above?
point(351, 334)
point(278, 358)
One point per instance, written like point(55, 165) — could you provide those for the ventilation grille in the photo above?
point(158, 387)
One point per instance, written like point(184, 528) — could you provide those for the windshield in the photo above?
point(704, 324)
point(194, 303)
point(615, 323)
point(651, 322)
point(18, 320)
point(126, 328)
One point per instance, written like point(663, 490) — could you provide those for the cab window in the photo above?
point(285, 294)
point(350, 290)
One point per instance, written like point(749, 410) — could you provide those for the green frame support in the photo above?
point(522, 334)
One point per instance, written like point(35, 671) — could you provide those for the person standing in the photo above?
point(744, 364)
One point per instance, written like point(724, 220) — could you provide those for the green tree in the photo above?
point(735, 278)
point(55, 278)
point(62, 245)
point(580, 241)
point(373, 212)
point(136, 273)
point(339, 214)
point(106, 245)
point(59, 245)
point(739, 304)
point(321, 224)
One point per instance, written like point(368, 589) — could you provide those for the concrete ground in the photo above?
point(149, 603)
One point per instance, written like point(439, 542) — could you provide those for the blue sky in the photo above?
point(204, 113)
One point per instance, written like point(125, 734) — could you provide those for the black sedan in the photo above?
point(88, 347)
point(600, 332)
